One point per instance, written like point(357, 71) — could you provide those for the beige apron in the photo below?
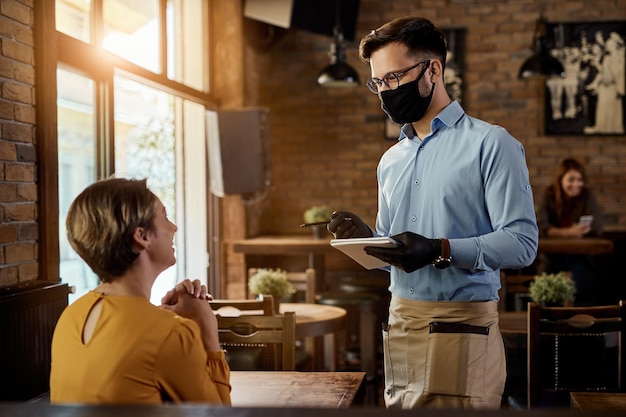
point(454, 364)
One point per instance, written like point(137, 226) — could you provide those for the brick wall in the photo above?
point(18, 190)
point(326, 143)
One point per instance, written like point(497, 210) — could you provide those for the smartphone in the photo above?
point(585, 220)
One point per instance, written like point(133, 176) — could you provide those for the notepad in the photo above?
point(354, 249)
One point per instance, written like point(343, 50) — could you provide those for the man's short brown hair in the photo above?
point(419, 35)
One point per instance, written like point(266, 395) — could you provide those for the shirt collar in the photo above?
point(407, 131)
point(451, 114)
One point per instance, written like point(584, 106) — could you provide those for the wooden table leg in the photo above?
point(330, 352)
point(317, 262)
point(367, 320)
point(323, 351)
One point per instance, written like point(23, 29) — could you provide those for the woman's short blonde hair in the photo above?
point(101, 222)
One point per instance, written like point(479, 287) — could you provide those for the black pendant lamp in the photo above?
point(541, 62)
point(338, 74)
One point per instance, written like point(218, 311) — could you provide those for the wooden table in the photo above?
point(313, 321)
point(283, 244)
point(318, 325)
point(513, 327)
point(316, 319)
point(198, 410)
point(513, 322)
point(292, 245)
point(582, 246)
point(585, 401)
point(294, 389)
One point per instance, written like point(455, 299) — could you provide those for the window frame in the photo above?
point(53, 49)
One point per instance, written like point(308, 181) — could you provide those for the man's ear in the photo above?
point(436, 70)
point(141, 240)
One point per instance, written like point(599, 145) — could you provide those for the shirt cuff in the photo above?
point(216, 356)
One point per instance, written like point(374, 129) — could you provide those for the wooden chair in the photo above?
point(266, 332)
point(233, 308)
point(247, 357)
point(302, 282)
point(573, 349)
point(304, 286)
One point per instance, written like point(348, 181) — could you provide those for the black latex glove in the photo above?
point(414, 252)
point(342, 228)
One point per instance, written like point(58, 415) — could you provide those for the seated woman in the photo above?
point(112, 346)
point(561, 207)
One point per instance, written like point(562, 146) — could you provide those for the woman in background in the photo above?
point(561, 207)
point(112, 346)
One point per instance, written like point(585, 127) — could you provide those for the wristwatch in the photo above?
point(444, 260)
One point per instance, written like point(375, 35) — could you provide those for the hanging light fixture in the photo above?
point(338, 74)
point(541, 62)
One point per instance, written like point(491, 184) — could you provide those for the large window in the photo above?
point(77, 159)
point(166, 37)
point(131, 30)
point(137, 111)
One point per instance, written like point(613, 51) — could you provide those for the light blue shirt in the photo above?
point(467, 181)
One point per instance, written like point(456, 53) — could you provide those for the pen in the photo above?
point(320, 223)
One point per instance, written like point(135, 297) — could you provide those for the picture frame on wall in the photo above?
point(590, 99)
point(453, 75)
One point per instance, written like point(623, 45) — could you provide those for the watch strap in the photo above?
point(444, 260)
point(445, 248)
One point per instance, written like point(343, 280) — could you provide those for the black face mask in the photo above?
point(405, 104)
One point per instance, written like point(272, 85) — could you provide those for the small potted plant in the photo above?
point(270, 281)
point(318, 214)
point(552, 289)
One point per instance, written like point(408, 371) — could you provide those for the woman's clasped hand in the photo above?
point(189, 299)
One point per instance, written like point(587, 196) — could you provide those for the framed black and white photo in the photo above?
point(590, 99)
point(453, 74)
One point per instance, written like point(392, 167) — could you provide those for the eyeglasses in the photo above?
point(391, 80)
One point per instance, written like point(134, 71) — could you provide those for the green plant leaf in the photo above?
point(552, 288)
point(270, 281)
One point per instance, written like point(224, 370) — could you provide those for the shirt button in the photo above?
point(417, 182)
point(527, 187)
point(413, 218)
point(411, 290)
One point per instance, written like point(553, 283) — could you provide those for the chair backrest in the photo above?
point(275, 333)
point(246, 357)
point(302, 282)
point(232, 308)
point(573, 349)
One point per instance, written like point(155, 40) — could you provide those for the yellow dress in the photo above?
point(138, 354)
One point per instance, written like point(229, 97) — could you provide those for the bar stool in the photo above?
point(361, 308)
point(370, 285)
point(378, 285)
